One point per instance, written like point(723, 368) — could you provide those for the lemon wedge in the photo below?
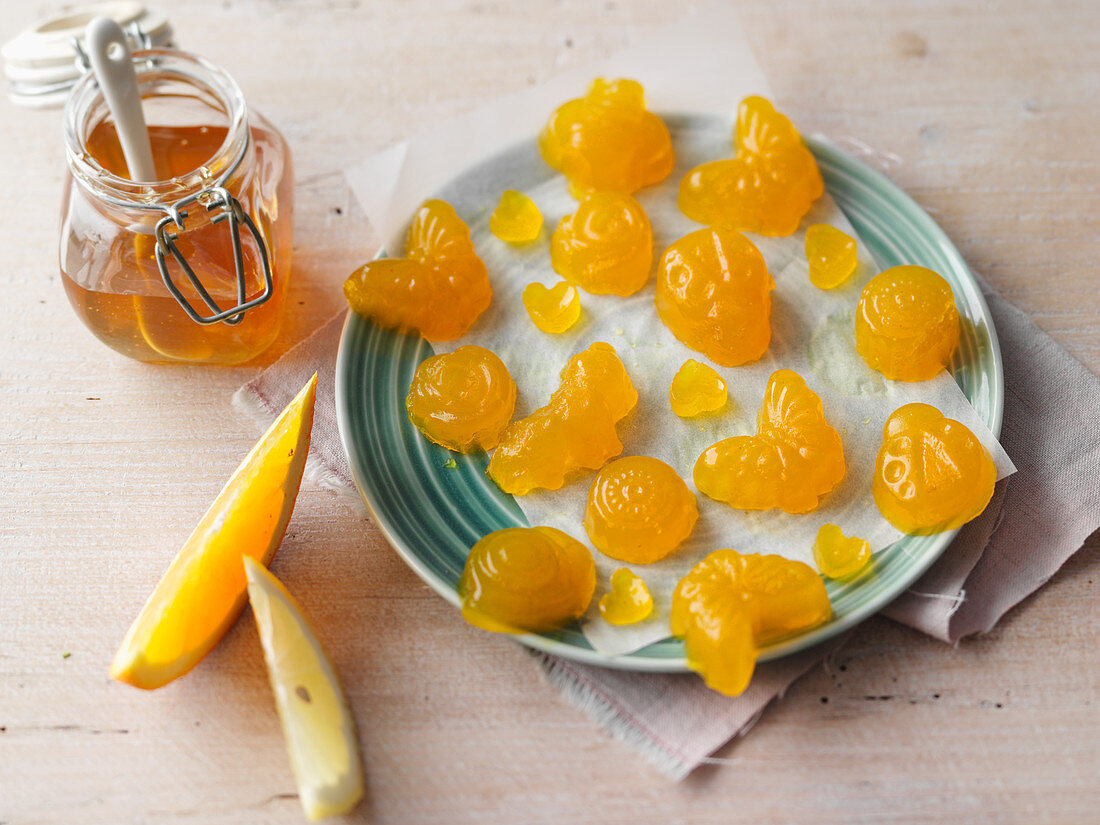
point(203, 591)
point(319, 730)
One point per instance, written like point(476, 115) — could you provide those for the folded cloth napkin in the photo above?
point(1038, 518)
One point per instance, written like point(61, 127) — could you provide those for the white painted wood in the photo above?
point(106, 464)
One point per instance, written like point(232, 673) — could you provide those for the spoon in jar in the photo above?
point(109, 55)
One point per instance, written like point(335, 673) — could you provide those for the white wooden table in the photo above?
point(106, 464)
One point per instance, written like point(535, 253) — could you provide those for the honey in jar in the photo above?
point(217, 164)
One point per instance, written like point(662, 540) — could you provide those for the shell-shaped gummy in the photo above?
point(831, 254)
point(438, 289)
point(932, 473)
point(714, 294)
point(794, 459)
point(516, 219)
point(606, 246)
point(574, 431)
point(628, 601)
point(838, 556)
point(552, 309)
point(779, 595)
point(767, 187)
point(639, 510)
point(907, 325)
point(526, 579)
point(462, 400)
point(729, 604)
point(696, 389)
point(717, 633)
point(607, 140)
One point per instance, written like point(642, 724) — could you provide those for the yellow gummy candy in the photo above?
point(767, 188)
point(462, 400)
point(932, 472)
point(795, 458)
point(628, 601)
point(696, 389)
point(554, 309)
point(831, 255)
point(439, 288)
point(838, 556)
point(907, 324)
point(730, 603)
point(639, 510)
point(516, 219)
point(607, 140)
point(526, 579)
point(576, 430)
point(606, 246)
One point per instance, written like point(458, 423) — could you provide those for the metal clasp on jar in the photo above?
point(233, 214)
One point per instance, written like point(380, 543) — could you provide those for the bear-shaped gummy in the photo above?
point(607, 140)
point(574, 431)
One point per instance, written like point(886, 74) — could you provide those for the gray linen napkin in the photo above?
point(1038, 518)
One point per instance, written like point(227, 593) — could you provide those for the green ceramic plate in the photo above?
point(432, 512)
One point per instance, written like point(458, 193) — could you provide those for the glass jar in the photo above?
point(191, 267)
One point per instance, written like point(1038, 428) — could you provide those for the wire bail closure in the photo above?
point(233, 214)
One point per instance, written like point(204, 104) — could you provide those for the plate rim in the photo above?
point(637, 661)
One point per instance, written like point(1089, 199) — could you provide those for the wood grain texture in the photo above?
point(106, 464)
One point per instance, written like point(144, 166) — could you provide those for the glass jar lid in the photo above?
point(44, 61)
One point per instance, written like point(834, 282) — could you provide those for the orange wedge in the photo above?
point(317, 724)
point(203, 591)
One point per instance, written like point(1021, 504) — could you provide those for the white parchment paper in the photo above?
point(469, 161)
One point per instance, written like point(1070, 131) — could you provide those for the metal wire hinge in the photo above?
point(233, 214)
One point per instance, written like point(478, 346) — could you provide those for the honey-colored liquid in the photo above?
point(110, 272)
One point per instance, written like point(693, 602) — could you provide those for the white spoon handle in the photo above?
point(109, 54)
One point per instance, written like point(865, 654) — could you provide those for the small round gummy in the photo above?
point(696, 390)
point(526, 579)
point(831, 254)
point(552, 309)
point(606, 246)
point(462, 400)
point(838, 556)
point(639, 510)
point(516, 219)
point(628, 601)
point(907, 326)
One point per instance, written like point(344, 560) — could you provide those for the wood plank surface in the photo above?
point(987, 113)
